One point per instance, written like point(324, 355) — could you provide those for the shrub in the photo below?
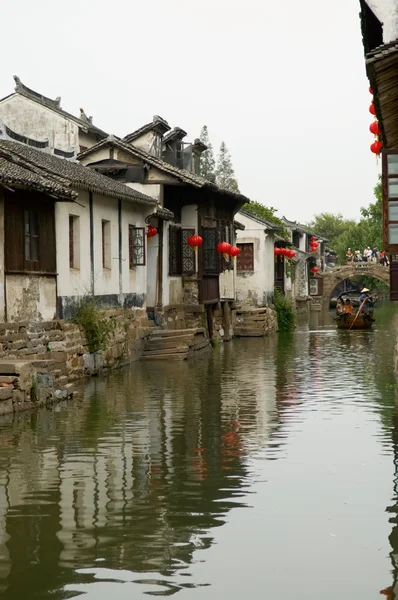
point(285, 312)
point(97, 326)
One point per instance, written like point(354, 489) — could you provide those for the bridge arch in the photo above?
point(333, 277)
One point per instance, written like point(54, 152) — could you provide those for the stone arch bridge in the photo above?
point(332, 277)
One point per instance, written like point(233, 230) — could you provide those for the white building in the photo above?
point(69, 231)
point(31, 118)
point(180, 281)
point(255, 276)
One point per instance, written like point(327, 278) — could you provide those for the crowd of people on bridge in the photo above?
point(368, 255)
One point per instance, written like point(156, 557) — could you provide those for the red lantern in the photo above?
point(194, 241)
point(277, 251)
point(234, 251)
point(224, 248)
point(314, 270)
point(374, 128)
point(293, 253)
point(372, 109)
point(151, 231)
point(376, 147)
point(371, 91)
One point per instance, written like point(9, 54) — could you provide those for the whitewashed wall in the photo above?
point(387, 12)
point(77, 282)
point(256, 287)
point(26, 117)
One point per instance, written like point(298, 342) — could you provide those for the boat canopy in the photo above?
point(357, 291)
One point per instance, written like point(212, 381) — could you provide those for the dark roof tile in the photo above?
point(69, 174)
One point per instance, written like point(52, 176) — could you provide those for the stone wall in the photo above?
point(65, 343)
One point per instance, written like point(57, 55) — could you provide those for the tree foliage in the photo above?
point(346, 233)
point(225, 174)
point(207, 162)
point(268, 213)
point(330, 226)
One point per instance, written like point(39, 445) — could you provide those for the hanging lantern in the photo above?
point(376, 147)
point(194, 241)
point(224, 248)
point(372, 109)
point(277, 251)
point(151, 231)
point(374, 128)
point(371, 91)
point(234, 251)
point(314, 270)
point(293, 253)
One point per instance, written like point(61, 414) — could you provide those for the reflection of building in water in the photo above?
point(391, 592)
point(132, 475)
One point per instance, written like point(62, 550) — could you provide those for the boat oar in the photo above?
point(359, 310)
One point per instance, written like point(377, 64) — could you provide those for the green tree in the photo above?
point(225, 174)
point(367, 232)
point(207, 162)
point(263, 212)
point(330, 226)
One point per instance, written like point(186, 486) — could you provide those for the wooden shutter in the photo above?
point(175, 266)
point(14, 234)
point(394, 280)
point(245, 260)
point(187, 253)
point(47, 251)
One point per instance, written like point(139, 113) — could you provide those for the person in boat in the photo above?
point(348, 306)
point(365, 301)
point(339, 307)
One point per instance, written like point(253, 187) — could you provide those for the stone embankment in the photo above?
point(40, 361)
point(255, 322)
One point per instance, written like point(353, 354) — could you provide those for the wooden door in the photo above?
point(394, 281)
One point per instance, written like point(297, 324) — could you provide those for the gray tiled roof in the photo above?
point(180, 174)
point(54, 105)
point(13, 174)
point(68, 174)
point(156, 122)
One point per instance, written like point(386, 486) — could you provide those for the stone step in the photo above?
point(172, 356)
point(245, 332)
point(199, 345)
point(176, 332)
point(153, 344)
point(166, 351)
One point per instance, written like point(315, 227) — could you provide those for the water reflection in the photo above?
point(123, 492)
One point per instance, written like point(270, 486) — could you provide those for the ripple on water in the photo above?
point(209, 474)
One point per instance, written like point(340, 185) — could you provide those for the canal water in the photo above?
point(264, 469)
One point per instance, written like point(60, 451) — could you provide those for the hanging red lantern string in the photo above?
point(372, 109)
point(314, 270)
point(195, 241)
point(371, 91)
point(374, 128)
point(376, 147)
point(224, 248)
point(151, 231)
point(277, 251)
point(234, 251)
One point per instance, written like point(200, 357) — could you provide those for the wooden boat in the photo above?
point(346, 321)
point(353, 320)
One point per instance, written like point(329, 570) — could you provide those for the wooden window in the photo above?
point(29, 233)
point(210, 255)
point(181, 255)
point(74, 242)
point(245, 260)
point(390, 201)
point(136, 246)
point(106, 244)
point(31, 229)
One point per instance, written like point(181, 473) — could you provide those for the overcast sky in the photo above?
point(283, 83)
